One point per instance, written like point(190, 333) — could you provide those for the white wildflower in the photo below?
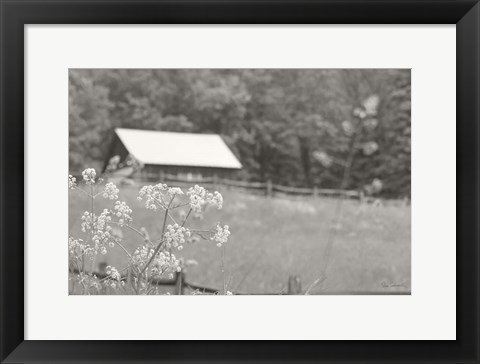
point(166, 263)
point(142, 254)
point(72, 182)
point(369, 148)
point(110, 191)
point(101, 231)
point(175, 236)
point(158, 195)
point(113, 277)
point(221, 235)
point(102, 239)
point(371, 105)
point(76, 247)
point(102, 220)
point(87, 221)
point(172, 191)
point(123, 212)
point(113, 273)
point(200, 198)
point(324, 159)
point(89, 175)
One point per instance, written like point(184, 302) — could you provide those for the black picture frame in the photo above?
point(16, 14)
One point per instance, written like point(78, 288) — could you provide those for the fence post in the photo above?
point(315, 191)
point(102, 269)
point(215, 182)
point(179, 283)
point(161, 175)
point(294, 285)
point(361, 197)
point(269, 188)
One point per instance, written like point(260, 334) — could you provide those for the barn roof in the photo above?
point(178, 149)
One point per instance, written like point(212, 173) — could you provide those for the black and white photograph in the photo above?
point(239, 182)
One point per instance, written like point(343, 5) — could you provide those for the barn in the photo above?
point(185, 155)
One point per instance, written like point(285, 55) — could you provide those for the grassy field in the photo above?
point(273, 238)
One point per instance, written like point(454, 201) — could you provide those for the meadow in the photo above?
point(273, 238)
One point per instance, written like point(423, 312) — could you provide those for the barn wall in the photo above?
point(186, 172)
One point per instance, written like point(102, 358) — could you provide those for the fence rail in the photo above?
point(261, 188)
point(181, 286)
point(268, 188)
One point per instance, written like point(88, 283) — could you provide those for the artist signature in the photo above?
point(389, 284)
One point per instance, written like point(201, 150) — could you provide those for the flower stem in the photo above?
point(223, 270)
point(161, 242)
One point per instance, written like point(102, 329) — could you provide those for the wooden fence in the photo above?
point(266, 188)
point(179, 285)
point(261, 188)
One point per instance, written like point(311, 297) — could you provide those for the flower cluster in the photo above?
point(166, 263)
point(110, 191)
point(200, 198)
point(113, 273)
point(74, 244)
point(371, 105)
point(103, 238)
point(369, 148)
point(92, 222)
point(172, 191)
point(72, 182)
point(87, 221)
point(163, 263)
point(104, 218)
point(89, 175)
point(101, 231)
point(77, 247)
point(155, 195)
point(113, 277)
point(175, 236)
point(153, 259)
point(123, 212)
point(142, 254)
point(221, 235)
point(324, 159)
point(87, 280)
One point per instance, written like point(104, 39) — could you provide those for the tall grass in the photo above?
point(273, 238)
